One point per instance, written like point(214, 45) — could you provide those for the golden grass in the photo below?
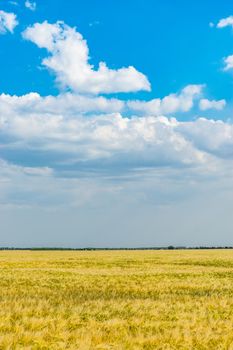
point(123, 300)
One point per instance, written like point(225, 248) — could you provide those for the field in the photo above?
point(123, 300)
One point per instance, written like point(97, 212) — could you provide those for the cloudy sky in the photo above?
point(116, 123)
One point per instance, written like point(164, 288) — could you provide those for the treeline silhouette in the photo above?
point(170, 247)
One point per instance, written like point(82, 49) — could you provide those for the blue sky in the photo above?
point(116, 122)
point(171, 42)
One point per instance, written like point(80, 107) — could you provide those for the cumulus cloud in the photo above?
point(76, 132)
point(108, 140)
point(72, 141)
point(65, 156)
point(213, 137)
point(74, 104)
point(69, 60)
point(68, 104)
point(8, 22)
point(179, 102)
point(205, 104)
point(225, 22)
point(31, 5)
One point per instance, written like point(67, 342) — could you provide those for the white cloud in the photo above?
point(69, 56)
point(8, 22)
point(68, 104)
point(213, 137)
point(109, 139)
point(205, 104)
point(228, 61)
point(57, 129)
point(224, 22)
point(70, 140)
point(31, 5)
point(76, 132)
point(179, 102)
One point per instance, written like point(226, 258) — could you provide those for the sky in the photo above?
point(116, 123)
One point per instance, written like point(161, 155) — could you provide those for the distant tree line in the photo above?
point(170, 247)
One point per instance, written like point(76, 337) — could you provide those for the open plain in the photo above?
point(122, 300)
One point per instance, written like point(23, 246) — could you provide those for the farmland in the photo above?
point(123, 300)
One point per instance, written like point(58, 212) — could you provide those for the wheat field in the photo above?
point(123, 300)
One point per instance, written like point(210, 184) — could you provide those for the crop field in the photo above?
point(116, 300)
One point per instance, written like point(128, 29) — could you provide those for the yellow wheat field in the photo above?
point(116, 300)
